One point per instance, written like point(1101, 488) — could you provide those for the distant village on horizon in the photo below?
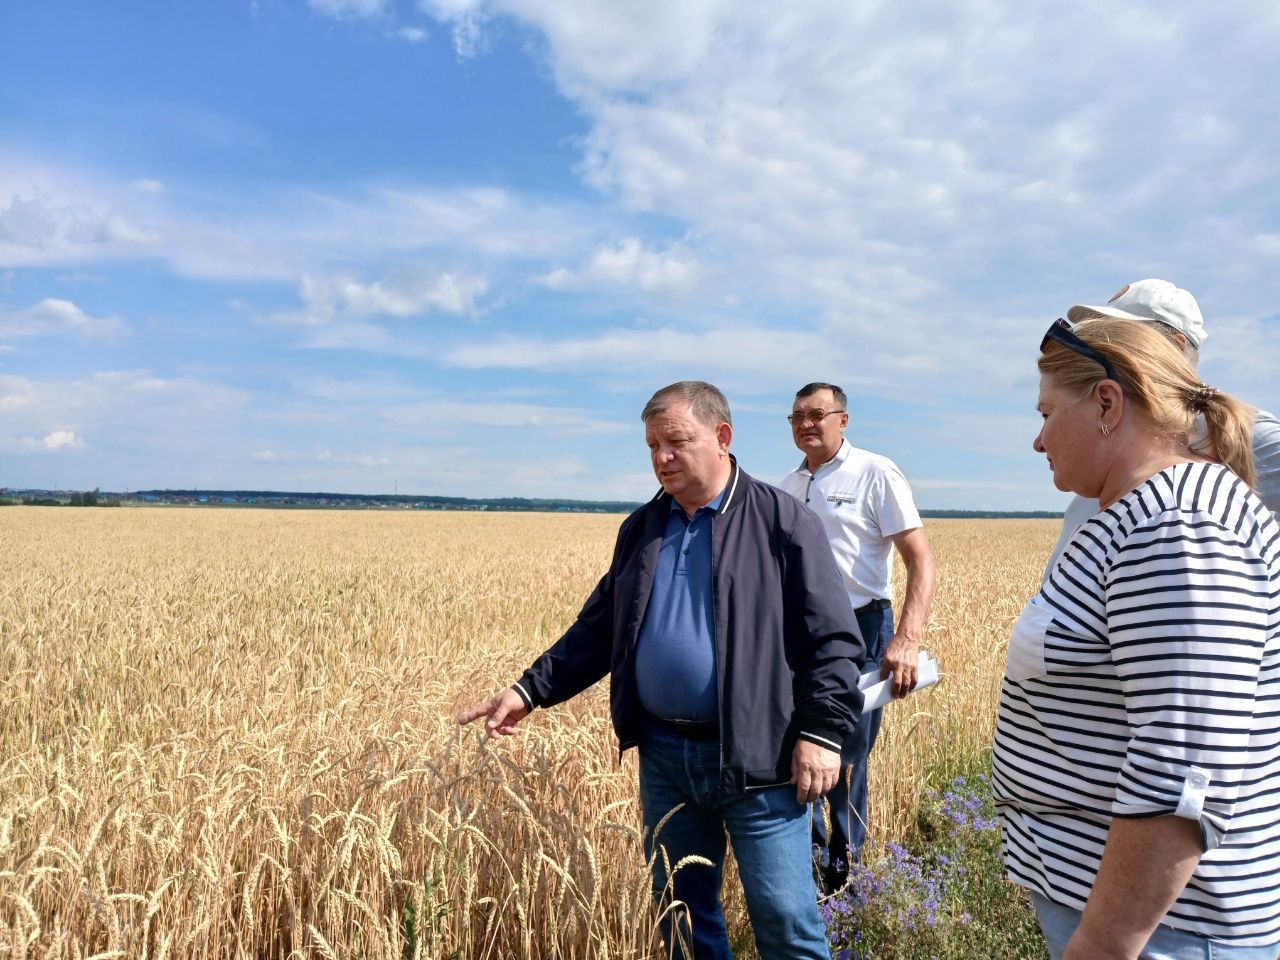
point(277, 499)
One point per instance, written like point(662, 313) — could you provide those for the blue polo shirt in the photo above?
point(676, 652)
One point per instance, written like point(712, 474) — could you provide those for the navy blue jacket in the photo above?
point(788, 649)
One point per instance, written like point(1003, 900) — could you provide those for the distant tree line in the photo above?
point(275, 498)
point(91, 498)
point(87, 498)
point(991, 514)
point(278, 498)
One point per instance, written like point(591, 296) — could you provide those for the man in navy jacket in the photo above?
point(733, 659)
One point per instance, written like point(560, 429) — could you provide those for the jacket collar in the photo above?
point(728, 499)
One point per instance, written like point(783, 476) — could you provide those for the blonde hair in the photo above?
point(1153, 373)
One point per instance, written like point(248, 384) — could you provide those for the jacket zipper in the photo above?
point(715, 636)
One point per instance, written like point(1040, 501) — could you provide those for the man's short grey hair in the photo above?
point(706, 402)
point(1190, 350)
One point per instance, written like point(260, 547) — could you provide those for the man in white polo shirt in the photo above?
point(866, 507)
point(1175, 313)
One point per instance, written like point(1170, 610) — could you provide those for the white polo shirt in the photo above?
point(862, 500)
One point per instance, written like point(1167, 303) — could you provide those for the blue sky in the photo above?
point(452, 246)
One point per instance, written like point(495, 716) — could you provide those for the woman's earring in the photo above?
point(1106, 431)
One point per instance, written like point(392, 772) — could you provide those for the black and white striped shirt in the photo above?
point(1143, 680)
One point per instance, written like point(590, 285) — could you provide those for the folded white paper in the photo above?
point(876, 692)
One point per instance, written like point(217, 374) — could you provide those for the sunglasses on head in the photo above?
point(1060, 332)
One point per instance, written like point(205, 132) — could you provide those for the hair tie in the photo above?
point(1203, 396)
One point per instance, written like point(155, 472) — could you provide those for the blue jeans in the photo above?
point(769, 831)
point(848, 800)
point(1058, 923)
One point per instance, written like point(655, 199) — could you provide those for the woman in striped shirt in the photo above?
point(1137, 751)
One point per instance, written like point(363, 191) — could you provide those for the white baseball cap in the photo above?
point(1157, 300)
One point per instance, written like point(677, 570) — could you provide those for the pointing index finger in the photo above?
point(471, 713)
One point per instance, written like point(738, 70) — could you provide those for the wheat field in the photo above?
point(229, 733)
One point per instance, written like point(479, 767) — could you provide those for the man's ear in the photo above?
point(724, 436)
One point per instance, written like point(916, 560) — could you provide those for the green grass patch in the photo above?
point(941, 893)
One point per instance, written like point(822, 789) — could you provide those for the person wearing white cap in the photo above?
point(1136, 761)
point(1175, 313)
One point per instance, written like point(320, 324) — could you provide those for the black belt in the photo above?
point(691, 729)
point(873, 605)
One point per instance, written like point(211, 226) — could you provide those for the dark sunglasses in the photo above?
point(1060, 332)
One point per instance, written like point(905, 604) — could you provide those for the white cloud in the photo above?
point(468, 35)
point(349, 390)
point(450, 9)
point(412, 34)
point(721, 348)
point(338, 312)
point(53, 316)
point(619, 45)
point(880, 170)
point(449, 415)
point(51, 215)
point(323, 455)
point(1242, 357)
point(349, 9)
point(402, 293)
point(892, 200)
point(61, 439)
point(38, 229)
point(467, 21)
point(138, 430)
point(631, 264)
point(907, 356)
point(455, 469)
point(14, 394)
point(158, 406)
